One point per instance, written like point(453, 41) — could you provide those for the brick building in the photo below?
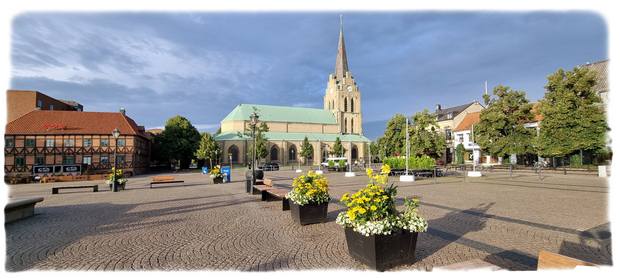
point(20, 102)
point(46, 142)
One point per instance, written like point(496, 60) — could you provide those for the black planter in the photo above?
point(218, 180)
point(381, 252)
point(308, 214)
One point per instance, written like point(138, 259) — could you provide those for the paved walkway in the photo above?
point(497, 219)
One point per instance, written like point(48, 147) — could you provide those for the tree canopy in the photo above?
point(501, 129)
point(573, 118)
point(425, 137)
point(392, 143)
point(338, 150)
point(208, 149)
point(179, 140)
point(306, 149)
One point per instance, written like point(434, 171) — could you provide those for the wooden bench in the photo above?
point(549, 260)
point(164, 179)
point(17, 209)
point(269, 193)
point(55, 189)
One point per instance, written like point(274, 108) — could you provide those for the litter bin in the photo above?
point(226, 173)
point(248, 181)
point(205, 170)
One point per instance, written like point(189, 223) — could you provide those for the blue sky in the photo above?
point(201, 65)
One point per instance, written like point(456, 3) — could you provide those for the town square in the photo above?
point(295, 141)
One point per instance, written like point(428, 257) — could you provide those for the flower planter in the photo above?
point(381, 252)
point(218, 180)
point(308, 214)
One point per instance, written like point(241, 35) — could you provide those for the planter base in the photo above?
point(407, 178)
point(318, 172)
point(474, 174)
point(308, 214)
point(349, 174)
point(381, 252)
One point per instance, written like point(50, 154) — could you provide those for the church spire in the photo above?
point(341, 59)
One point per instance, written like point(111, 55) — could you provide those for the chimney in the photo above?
point(122, 111)
point(438, 107)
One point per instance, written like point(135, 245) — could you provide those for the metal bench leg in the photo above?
point(54, 191)
point(285, 204)
point(263, 195)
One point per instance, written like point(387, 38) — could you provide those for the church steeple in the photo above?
point(341, 59)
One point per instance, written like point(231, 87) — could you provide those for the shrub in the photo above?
point(342, 164)
point(331, 164)
point(309, 189)
point(415, 163)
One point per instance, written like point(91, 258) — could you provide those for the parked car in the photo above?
point(269, 167)
point(336, 160)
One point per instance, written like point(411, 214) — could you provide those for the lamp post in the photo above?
point(407, 177)
point(253, 122)
point(115, 133)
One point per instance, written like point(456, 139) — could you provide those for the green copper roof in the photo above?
point(272, 136)
point(282, 114)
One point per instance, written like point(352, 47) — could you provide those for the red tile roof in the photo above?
point(468, 121)
point(57, 122)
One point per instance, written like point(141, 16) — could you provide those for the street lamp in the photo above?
point(115, 133)
point(407, 177)
point(253, 122)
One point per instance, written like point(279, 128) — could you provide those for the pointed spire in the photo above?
point(341, 59)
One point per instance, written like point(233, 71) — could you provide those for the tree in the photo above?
point(338, 150)
point(573, 119)
point(393, 140)
point(306, 150)
point(501, 129)
point(425, 137)
point(460, 154)
point(208, 149)
point(261, 140)
point(179, 140)
point(375, 150)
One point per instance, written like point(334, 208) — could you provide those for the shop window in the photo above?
point(68, 159)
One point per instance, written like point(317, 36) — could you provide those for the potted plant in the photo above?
point(117, 179)
point(309, 199)
point(376, 233)
point(217, 175)
point(342, 165)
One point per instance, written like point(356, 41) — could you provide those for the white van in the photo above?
point(336, 160)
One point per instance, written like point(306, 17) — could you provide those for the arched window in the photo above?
point(352, 130)
point(352, 106)
point(274, 153)
point(292, 153)
point(345, 125)
point(233, 151)
point(345, 104)
point(354, 153)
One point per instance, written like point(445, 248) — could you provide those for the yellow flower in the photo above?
point(362, 210)
point(344, 197)
point(385, 169)
point(369, 172)
point(351, 214)
point(373, 208)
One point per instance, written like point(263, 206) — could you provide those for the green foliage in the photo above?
point(460, 154)
point(331, 164)
point(207, 148)
point(425, 137)
point(392, 143)
point(338, 150)
point(261, 139)
point(179, 140)
point(501, 129)
point(306, 149)
point(573, 118)
point(374, 150)
point(342, 164)
point(575, 160)
point(423, 162)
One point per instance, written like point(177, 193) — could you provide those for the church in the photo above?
point(340, 117)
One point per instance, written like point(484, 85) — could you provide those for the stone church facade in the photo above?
point(340, 117)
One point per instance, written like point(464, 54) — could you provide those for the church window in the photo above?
point(344, 124)
point(352, 105)
point(351, 125)
point(345, 104)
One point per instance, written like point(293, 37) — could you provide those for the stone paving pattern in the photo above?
point(498, 219)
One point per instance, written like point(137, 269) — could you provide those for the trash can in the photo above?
point(248, 181)
point(226, 173)
point(205, 170)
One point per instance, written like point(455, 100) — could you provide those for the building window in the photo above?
point(448, 132)
point(9, 142)
point(69, 143)
point(49, 143)
point(87, 160)
point(68, 159)
point(120, 159)
point(460, 138)
point(39, 103)
point(449, 116)
point(29, 143)
point(352, 110)
point(39, 160)
point(105, 142)
point(19, 161)
point(87, 142)
point(345, 105)
point(51, 107)
point(104, 159)
point(120, 142)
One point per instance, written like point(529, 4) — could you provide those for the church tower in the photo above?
point(342, 96)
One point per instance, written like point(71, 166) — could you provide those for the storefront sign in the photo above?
point(42, 169)
point(73, 168)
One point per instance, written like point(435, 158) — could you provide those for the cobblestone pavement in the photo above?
point(499, 219)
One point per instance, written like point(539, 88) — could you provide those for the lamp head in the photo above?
point(116, 133)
